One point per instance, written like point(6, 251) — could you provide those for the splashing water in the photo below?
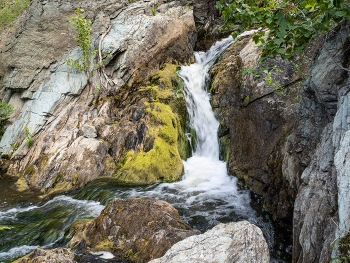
point(204, 197)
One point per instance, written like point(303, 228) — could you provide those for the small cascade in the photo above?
point(205, 196)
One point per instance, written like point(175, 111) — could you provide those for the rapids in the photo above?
point(205, 196)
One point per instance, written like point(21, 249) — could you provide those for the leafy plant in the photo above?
point(154, 10)
point(5, 111)
point(82, 31)
point(292, 24)
point(15, 146)
point(10, 10)
point(27, 136)
point(275, 85)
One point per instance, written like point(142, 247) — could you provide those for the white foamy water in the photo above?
point(17, 252)
point(90, 208)
point(61, 206)
point(206, 190)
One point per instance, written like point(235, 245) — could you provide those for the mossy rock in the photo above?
point(166, 143)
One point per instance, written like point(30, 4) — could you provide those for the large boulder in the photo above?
point(225, 243)
point(40, 255)
point(137, 230)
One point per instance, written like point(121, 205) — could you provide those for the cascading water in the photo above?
point(205, 196)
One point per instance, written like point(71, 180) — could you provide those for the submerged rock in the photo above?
point(137, 230)
point(225, 243)
point(40, 255)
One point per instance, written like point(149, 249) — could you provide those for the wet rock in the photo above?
point(136, 230)
point(89, 131)
point(233, 242)
point(40, 255)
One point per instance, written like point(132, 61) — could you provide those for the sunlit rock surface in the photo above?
point(40, 255)
point(233, 242)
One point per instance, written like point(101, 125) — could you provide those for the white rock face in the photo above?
point(234, 242)
point(89, 131)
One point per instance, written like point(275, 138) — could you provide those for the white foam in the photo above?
point(17, 252)
point(103, 254)
point(90, 207)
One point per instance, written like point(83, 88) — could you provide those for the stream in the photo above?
point(205, 196)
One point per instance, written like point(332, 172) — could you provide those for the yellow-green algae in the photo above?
point(163, 162)
point(3, 227)
point(21, 185)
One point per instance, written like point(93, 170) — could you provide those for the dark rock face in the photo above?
point(208, 22)
point(136, 230)
point(254, 124)
point(314, 162)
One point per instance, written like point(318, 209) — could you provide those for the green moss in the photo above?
point(104, 244)
point(75, 179)
point(79, 225)
point(21, 184)
point(30, 169)
point(344, 244)
point(224, 149)
point(163, 162)
point(59, 178)
point(3, 227)
point(129, 254)
point(10, 10)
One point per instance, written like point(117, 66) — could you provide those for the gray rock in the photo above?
point(225, 243)
point(315, 161)
point(89, 131)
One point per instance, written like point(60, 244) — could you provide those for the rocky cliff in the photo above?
point(80, 131)
point(290, 143)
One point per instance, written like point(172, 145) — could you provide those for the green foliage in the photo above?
point(246, 100)
point(275, 85)
point(82, 31)
point(27, 136)
point(5, 111)
point(15, 146)
point(292, 24)
point(10, 10)
point(342, 249)
point(154, 10)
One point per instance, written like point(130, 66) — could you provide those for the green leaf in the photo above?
point(340, 13)
point(280, 50)
point(278, 41)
